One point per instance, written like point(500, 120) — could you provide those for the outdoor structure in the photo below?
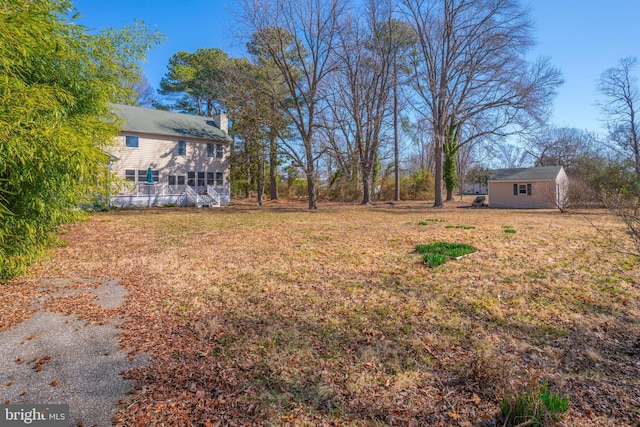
point(171, 158)
point(529, 188)
point(475, 188)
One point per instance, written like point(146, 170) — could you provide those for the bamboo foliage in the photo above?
point(57, 84)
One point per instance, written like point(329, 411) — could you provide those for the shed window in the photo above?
point(521, 189)
point(219, 151)
point(130, 175)
point(210, 149)
point(131, 141)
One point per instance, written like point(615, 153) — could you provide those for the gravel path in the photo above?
point(58, 359)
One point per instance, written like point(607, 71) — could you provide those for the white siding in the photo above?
point(543, 195)
point(161, 154)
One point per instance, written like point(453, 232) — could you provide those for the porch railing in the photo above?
point(210, 195)
point(215, 197)
point(153, 190)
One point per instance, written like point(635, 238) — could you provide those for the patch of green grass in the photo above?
point(508, 229)
point(433, 259)
point(536, 408)
point(436, 254)
point(431, 220)
point(453, 250)
point(464, 227)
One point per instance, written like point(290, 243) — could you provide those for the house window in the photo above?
point(176, 179)
point(182, 148)
point(521, 189)
point(130, 175)
point(210, 149)
point(200, 179)
point(219, 151)
point(215, 178)
point(131, 141)
point(191, 179)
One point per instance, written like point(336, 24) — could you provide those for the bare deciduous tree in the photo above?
point(472, 68)
point(507, 155)
point(365, 82)
point(622, 97)
point(561, 147)
point(298, 36)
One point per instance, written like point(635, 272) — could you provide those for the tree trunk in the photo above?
point(437, 153)
point(273, 166)
point(260, 179)
point(247, 188)
point(449, 195)
point(396, 150)
point(366, 189)
point(311, 186)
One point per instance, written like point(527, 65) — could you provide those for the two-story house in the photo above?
point(171, 158)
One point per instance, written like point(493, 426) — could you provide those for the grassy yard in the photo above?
point(280, 316)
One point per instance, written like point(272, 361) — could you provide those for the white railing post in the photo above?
point(213, 194)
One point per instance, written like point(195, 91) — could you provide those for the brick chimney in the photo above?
point(221, 120)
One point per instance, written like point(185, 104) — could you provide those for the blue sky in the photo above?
point(582, 37)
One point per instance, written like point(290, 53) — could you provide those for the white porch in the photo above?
point(148, 195)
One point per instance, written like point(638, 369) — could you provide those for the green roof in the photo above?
point(166, 123)
point(526, 174)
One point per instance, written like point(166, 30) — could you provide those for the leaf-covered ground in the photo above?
point(279, 316)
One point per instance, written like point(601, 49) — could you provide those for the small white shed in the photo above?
point(542, 187)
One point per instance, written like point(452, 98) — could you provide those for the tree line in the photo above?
point(338, 90)
point(333, 87)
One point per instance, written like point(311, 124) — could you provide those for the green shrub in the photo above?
point(535, 407)
point(59, 81)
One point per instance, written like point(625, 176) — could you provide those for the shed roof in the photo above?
point(526, 174)
point(159, 122)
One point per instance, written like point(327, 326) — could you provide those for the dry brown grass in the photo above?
point(281, 316)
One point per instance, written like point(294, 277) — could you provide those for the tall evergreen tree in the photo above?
point(196, 81)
